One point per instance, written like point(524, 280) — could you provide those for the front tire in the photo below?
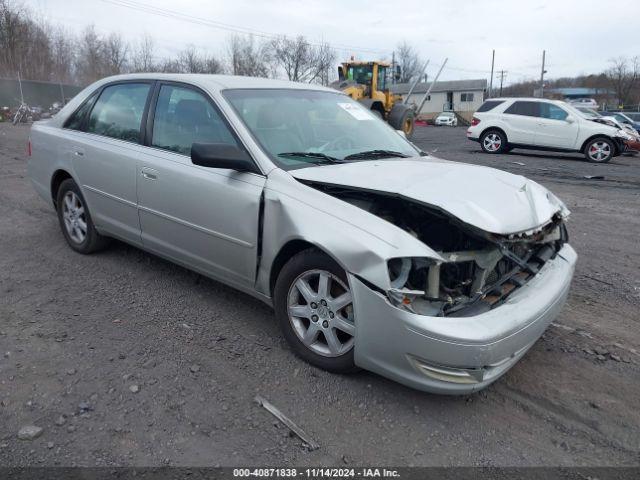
point(599, 150)
point(314, 308)
point(402, 118)
point(494, 141)
point(75, 220)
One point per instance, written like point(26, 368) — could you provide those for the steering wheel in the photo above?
point(340, 143)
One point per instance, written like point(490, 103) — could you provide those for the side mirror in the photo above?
point(340, 73)
point(222, 155)
point(398, 72)
point(569, 119)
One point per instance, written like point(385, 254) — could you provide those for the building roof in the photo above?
point(445, 86)
point(577, 90)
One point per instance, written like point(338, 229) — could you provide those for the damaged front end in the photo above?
point(475, 270)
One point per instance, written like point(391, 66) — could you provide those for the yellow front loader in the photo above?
point(366, 82)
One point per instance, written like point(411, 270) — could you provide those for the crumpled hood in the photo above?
point(489, 199)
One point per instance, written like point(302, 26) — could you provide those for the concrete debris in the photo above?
point(29, 432)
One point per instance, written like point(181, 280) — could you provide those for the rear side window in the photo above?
point(489, 105)
point(75, 121)
point(551, 111)
point(184, 116)
point(528, 109)
point(118, 111)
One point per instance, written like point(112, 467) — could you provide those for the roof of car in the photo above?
point(218, 82)
point(526, 99)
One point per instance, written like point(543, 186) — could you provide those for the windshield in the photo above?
point(298, 128)
point(446, 114)
point(587, 112)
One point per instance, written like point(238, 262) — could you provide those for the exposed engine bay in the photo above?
point(480, 269)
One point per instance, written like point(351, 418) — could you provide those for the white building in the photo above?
point(460, 96)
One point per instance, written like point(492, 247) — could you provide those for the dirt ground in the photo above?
point(125, 359)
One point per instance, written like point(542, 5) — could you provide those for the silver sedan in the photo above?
point(372, 253)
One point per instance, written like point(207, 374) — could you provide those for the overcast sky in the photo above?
point(580, 36)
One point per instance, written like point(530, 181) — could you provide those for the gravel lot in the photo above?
point(122, 358)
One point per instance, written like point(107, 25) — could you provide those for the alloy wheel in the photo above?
point(492, 142)
point(320, 309)
point(599, 151)
point(73, 214)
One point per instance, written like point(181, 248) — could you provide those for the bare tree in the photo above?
point(116, 54)
point(246, 57)
point(409, 62)
point(301, 61)
point(624, 77)
point(91, 58)
point(62, 49)
point(190, 61)
point(143, 57)
point(24, 43)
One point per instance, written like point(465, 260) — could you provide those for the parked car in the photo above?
point(502, 124)
point(623, 118)
point(584, 102)
point(635, 116)
point(436, 274)
point(446, 118)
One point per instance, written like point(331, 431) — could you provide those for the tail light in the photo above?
point(475, 121)
point(29, 148)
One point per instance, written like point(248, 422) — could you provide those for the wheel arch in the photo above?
point(601, 135)
point(286, 252)
point(59, 176)
point(489, 129)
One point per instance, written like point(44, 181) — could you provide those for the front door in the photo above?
point(205, 218)
point(449, 106)
point(555, 131)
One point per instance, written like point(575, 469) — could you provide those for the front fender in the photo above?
point(359, 241)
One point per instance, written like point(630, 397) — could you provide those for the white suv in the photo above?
point(501, 124)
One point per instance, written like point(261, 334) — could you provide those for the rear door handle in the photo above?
point(148, 175)
point(79, 153)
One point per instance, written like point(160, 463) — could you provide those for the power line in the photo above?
point(163, 12)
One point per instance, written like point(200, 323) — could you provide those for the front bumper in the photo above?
point(429, 353)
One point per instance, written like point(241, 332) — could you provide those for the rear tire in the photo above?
point(313, 306)
point(494, 142)
point(599, 150)
point(75, 220)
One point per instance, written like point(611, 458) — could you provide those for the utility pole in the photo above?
point(20, 85)
point(393, 67)
point(542, 72)
point(502, 75)
point(493, 59)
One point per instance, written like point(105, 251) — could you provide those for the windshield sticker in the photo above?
point(355, 111)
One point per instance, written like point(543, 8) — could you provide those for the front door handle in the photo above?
point(148, 175)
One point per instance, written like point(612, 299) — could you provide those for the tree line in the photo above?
point(39, 50)
point(622, 78)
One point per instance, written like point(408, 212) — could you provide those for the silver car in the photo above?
point(372, 253)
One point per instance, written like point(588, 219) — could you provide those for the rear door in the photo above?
point(555, 131)
point(205, 218)
point(104, 155)
point(522, 120)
